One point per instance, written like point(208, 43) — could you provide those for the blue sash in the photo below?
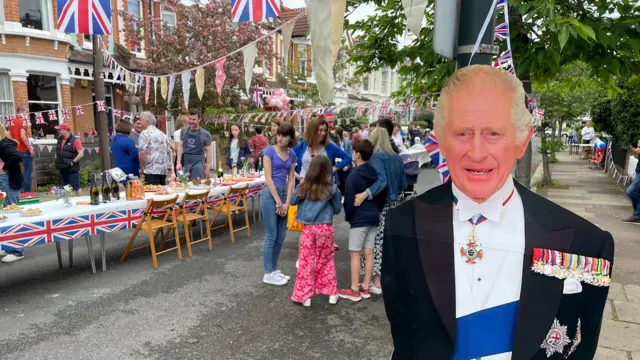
point(487, 332)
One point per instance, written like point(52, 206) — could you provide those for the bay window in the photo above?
point(34, 14)
point(43, 95)
point(302, 60)
point(6, 98)
point(134, 9)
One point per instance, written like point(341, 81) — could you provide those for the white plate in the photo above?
point(5, 219)
point(30, 215)
point(13, 211)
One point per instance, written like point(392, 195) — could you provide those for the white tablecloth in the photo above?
point(58, 223)
point(417, 153)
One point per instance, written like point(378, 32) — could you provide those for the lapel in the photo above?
point(539, 295)
point(435, 245)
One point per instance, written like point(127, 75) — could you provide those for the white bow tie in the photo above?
point(468, 209)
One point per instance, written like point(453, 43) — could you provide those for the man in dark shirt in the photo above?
point(633, 191)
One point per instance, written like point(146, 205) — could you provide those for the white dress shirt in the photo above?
point(588, 133)
point(495, 279)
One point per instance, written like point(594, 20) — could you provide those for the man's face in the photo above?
point(194, 121)
point(588, 124)
point(363, 127)
point(64, 133)
point(138, 126)
point(480, 139)
point(330, 122)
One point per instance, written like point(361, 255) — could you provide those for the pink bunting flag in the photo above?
point(147, 89)
point(79, 110)
point(220, 75)
point(65, 114)
point(41, 147)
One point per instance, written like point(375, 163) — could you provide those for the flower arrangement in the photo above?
point(183, 177)
point(247, 166)
point(3, 195)
point(65, 193)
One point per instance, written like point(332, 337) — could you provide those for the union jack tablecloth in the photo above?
point(58, 223)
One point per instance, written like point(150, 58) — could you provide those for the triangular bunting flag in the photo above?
point(249, 53)
point(186, 87)
point(200, 82)
point(163, 87)
point(147, 89)
point(220, 75)
point(172, 84)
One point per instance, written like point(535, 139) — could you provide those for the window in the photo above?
point(385, 77)
point(34, 14)
point(169, 18)
point(365, 83)
point(398, 82)
point(43, 96)
point(133, 8)
point(302, 60)
point(6, 99)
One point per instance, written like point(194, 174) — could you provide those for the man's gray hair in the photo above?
point(21, 109)
point(149, 117)
point(485, 74)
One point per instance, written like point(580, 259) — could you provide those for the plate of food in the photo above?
point(3, 218)
point(31, 212)
point(153, 188)
point(13, 208)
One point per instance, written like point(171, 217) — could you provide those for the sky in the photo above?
point(362, 12)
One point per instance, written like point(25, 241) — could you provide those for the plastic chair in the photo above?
point(165, 209)
point(597, 158)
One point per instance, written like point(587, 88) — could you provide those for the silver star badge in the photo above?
point(556, 339)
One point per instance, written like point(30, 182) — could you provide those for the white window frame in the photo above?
point(48, 25)
point(10, 101)
point(170, 13)
point(141, 12)
point(365, 83)
point(384, 81)
point(58, 94)
point(1, 15)
point(302, 53)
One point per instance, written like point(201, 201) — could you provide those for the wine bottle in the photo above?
point(94, 192)
point(115, 190)
point(220, 173)
point(106, 192)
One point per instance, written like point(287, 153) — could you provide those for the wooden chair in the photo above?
point(194, 207)
point(229, 206)
point(150, 223)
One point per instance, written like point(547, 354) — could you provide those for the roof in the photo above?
point(301, 28)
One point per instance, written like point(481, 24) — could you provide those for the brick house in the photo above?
point(49, 70)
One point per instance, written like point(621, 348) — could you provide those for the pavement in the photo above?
point(214, 305)
point(597, 198)
point(211, 306)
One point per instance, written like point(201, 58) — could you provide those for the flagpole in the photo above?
point(98, 86)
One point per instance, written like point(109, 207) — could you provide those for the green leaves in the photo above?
point(563, 36)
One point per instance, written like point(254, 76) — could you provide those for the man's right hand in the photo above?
point(178, 167)
point(33, 153)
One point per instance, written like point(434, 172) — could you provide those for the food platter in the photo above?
point(31, 212)
point(13, 208)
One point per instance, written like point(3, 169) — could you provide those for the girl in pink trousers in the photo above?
point(318, 200)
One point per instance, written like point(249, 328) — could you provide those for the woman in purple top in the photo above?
point(279, 172)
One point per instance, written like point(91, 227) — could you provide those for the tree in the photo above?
point(545, 36)
point(625, 111)
point(203, 33)
point(564, 99)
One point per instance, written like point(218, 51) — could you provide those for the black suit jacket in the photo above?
point(418, 278)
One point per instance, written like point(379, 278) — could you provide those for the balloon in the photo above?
point(278, 92)
point(285, 100)
point(284, 108)
point(269, 99)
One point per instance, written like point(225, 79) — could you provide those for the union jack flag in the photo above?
point(85, 16)
point(384, 108)
point(501, 4)
point(79, 110)
point(10, 121)
point(502, 31)
point(65, 114)
point(439, 161)
point(505, 57)
point(253, 10)
point(39, 119)
point(257, 96)
point(360, 110)
point(52, 115)
point(100, 105)
point(539, 112)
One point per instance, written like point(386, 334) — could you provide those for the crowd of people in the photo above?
point(305, 173)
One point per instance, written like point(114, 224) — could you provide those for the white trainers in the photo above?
point(272, 279)
point(3, 253)
point(307, 303)
point(286, 277)
point(11, 258)
point(375, 290)
point(333, 299)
